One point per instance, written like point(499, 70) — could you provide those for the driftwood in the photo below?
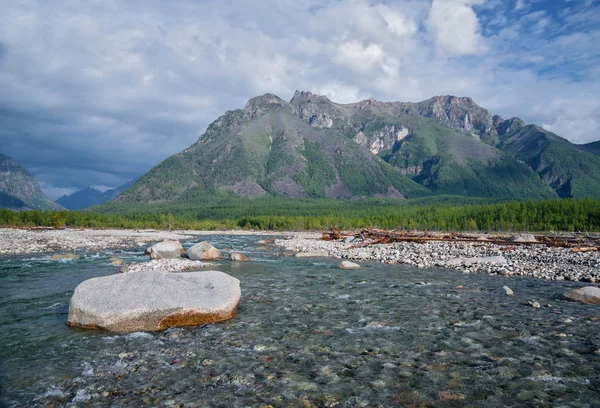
point(371, 236)
point(584, 249)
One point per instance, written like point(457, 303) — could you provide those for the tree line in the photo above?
point(287, 214)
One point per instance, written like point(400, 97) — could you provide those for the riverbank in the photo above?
point(538, 261)
point(27, 241)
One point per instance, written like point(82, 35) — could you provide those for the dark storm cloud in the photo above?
point(98, 93)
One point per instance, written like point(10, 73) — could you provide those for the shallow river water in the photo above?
point(306, 334)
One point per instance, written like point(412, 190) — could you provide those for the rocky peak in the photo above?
point(302, 97)
point(509, 126)
point(318, 110)
point(459, 113)
point(260, 105)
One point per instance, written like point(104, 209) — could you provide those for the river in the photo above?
point(306, 334)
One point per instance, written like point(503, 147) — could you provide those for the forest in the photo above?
point(445, 213)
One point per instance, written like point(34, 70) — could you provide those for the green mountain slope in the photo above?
point(570, 170)
point(266, 149)
point(312, 147)
point(19, 189)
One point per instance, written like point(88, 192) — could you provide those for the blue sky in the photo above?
point(98, 92)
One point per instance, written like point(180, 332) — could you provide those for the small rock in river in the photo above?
point(508, 291)
point(587, 294)
point(63, 256)
point(535, 305)
point(349, 265)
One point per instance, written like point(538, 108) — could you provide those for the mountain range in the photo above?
point(89, 197)
point(19, 190)
point(313, 147)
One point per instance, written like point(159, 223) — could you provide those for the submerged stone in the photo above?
point(236, 256)
point(154, 300)
point(349, 265)
point(587, 294)
point(58, 257)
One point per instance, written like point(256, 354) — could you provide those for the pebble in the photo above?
point(508, 291)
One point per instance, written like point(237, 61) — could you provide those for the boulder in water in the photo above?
point(154, 300)
point(236, 256)
point(587, 294)
point(165, 250)
point(203, 251)
point(349, 265)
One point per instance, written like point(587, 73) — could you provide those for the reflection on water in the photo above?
point(306, 333)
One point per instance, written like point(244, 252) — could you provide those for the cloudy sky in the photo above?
point(98, 92)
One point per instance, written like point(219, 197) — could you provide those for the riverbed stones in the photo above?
point(494, 260)
point(238, 257)
point(312, 254)
point(587, 294)
point(165, 250)
point(203, 251)
point(153, 300)
point(349, 265)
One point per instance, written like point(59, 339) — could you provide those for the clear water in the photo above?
point(306, 333)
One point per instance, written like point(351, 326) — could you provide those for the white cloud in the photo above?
point(577, 118)
point(521, 4)
point(455, 27)
point(109, 90)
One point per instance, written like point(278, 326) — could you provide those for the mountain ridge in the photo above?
point(314, 147)
point(19, 190)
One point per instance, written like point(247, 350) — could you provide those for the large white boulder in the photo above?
point(154, 300)
point(165, 250)
point(203, 251)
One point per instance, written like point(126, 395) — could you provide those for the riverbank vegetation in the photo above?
point(446, 213)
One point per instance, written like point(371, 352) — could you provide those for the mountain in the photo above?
point(313, 147)
point(19, 190)
point(89, 196)
point(570, 170)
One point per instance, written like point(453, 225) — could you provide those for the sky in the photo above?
point(99, 92)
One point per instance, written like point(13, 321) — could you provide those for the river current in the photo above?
point(306, 334)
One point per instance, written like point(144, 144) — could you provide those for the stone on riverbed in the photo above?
point(236, 256)
point(203, 251)
point(499, 260)
point(59, 257)
point(523, 238)
point(165, 250)
point(349, 265)
point(154, 300)
point(312, 254)
point(587, 294)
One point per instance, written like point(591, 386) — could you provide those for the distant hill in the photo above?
point(313, 147)
point(19, 190)
point(89, 197)
point(570, 170)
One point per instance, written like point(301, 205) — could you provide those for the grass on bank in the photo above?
point(448, 213)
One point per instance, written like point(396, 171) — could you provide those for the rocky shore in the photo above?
point(26, 241)
point(538, 261)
